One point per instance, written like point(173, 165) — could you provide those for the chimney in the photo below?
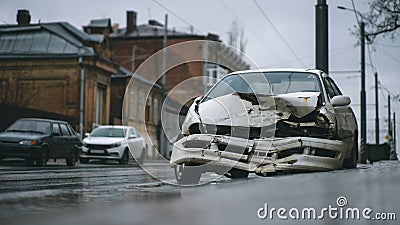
point(130, 21)
point(23, 17)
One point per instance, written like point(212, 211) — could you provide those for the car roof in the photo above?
point(114, 126)
point(316, 71)
point(44, 120)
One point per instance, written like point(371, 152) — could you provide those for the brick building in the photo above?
point(41, 69)
point(135, 43)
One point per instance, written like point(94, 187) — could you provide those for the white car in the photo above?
point(113, 143)
point(267, 121)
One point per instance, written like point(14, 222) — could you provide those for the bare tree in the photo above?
point(383, 19)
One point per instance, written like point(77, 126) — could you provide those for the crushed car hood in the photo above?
point(248, 110)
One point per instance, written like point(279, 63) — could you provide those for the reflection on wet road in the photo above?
point(114, 194)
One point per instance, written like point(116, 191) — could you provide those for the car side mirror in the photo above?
point(340, 100)
point(132, 136)
point(87, 134)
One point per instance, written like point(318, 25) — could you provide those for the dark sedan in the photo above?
point(38, 140)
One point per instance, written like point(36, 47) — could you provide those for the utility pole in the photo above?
point(363, 98)
point(321, 36)
point(376, 111)
point(389, 119)
point(82, 98)
point(163, 144)
point(394, 132)
point(361, 24)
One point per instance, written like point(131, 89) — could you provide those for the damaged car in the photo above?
point(264, 122)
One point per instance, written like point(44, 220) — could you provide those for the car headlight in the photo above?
point(115, 145)
point(84, 144)
point(28, 142)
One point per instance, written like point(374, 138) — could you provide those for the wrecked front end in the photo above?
point(261, 156)
point(298, 133)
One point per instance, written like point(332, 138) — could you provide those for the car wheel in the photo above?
point(72, 158)
point(43, 158)
point(237, 174)
point(125, 158)
point(83, 161)
point(186, 175)
point(351, 162)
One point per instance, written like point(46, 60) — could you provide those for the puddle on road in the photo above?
point(48, 201)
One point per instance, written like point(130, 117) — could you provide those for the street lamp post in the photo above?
point(362, 93)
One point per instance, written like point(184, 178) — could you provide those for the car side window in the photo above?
point(64, 130)
point(71, 130)
point(136, 132)
point(335, 87)
point(329, 88)
point(132, 133)
point(56, 129)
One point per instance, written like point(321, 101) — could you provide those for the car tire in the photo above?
point(351, 162)
point(187, 175)
point(238, 174)
point(125, 157)
point(83, 160)
point(43, 158)
point(72, 158)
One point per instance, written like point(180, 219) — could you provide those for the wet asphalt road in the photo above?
point(125, 194)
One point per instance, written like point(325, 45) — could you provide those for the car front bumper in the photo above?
point(109, 153)
point(19, 151)
point(261, 156)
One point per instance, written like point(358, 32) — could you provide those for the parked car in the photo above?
point(38, 140)
point(113, 143)
point(267, 121)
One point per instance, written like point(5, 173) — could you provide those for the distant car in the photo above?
point(38, 140)
point(267, 121)
point(113, 143)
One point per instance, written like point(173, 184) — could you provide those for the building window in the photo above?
point(155, 111)
point(140, 105)
point(100, 104)
point(214, 72)
point(131, 109)
point(148, 109)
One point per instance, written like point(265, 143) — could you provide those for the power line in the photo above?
point(391, 56)
point(176, 15)
point(248, 28)
point(276, 30)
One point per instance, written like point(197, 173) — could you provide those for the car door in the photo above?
point(134, 142)
point(56, 143)
point(345, 119)
point(66, 140)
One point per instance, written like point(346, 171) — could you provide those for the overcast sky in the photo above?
point(294, 19)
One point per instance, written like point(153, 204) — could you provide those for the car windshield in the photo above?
point(32, 126)
point(268, 83)
point(108, 132)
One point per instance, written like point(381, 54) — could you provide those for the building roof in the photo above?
point(46, 39)
point(100, 23)
point(125, 73)
point(152, 30)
